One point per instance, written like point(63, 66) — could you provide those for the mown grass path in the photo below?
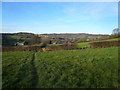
point(34, 72)
point(19, 70)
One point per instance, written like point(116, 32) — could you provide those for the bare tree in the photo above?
point(116, 31)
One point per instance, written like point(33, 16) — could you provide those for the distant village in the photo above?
point(20, 39)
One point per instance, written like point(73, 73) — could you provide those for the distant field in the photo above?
point(54, 44)
point(55, 69)
point(87, 44)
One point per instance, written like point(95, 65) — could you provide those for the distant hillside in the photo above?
point(77, 35)
point(74, 37)
point(10, 39)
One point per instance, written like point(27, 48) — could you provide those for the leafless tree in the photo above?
point(116, 31)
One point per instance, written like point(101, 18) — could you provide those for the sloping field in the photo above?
point(87, 44)
point(88, 68)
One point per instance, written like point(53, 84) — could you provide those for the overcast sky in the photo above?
point(60, 17)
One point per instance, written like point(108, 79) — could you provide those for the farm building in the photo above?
point(19, 44)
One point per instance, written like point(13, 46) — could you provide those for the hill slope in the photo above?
point(97, 68)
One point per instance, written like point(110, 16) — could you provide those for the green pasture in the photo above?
point(87, 44)
point(90, 68)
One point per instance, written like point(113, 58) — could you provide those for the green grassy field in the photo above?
point(97, 68)
point(17, 69)
point(87, 44)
